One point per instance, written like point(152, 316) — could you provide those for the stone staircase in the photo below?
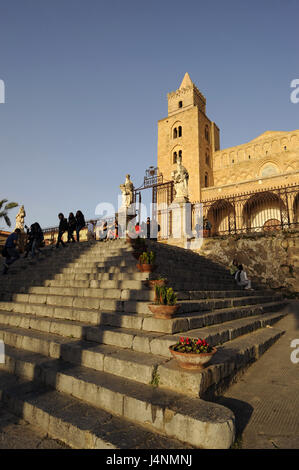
point(86, 361)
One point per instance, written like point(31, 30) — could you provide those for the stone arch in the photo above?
point(261, 208)
point(174, 127)
point(175, 153)
point(268, 169)
point(221, 215)
point(296, 209)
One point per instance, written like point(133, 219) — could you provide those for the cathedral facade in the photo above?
point(255, 172)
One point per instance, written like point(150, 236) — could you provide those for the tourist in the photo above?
point(10, 249)
point(80, 223)
point(37, 238)
point(138, 230)
point(103, 231)
point(63, 227)
point(72, 227)
point(208, 227)
point(29, 240)
point(90, 230)
point(242, 279)
point(233, 267)
point(148, 228)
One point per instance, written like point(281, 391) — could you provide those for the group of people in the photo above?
point(70, 225)
point(240, 276)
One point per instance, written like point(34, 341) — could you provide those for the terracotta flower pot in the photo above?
point(192, 360)
point(152, 283)
point(145, 268)
point(164, 312)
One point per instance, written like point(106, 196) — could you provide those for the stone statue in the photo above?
point(180, 178)
point(127, 190)
point(20, 219)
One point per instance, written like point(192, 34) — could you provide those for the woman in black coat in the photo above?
point(72, 227)
point(80, 223)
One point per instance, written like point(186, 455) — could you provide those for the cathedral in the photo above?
point(250, 186)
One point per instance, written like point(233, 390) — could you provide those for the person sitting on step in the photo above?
point(233, 267)
point(242, 279)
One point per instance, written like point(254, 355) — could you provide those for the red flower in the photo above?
point(182, 340)
point(187, 340)
point(199, 341)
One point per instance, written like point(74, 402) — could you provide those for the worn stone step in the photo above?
point(190, 420)
point(77, 424)
point(124, 301)
point(38, 334)
point(139, 365)
point(230, 361)
point(128, 320)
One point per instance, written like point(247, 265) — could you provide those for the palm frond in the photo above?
point(7, 220)
point(11, 205)
point(3, 202)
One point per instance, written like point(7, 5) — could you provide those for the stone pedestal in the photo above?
point(181, 219)
point(125, 216)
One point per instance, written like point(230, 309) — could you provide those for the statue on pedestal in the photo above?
point(127, 190)
point(180, 178)
point(20, 218)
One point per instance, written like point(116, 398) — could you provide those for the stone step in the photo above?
point(127, 290)
point(79, 425)
point(176, 416)
point(127, 320)
point(140, 366)
point(123, 301)
point(230, 361)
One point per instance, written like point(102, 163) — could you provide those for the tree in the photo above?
point(5, 209)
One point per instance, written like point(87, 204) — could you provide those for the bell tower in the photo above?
point(188, 133)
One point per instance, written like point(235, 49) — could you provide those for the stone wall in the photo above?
point(271, 259)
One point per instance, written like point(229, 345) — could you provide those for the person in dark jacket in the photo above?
point(63, 227)
point(10, 249)
point(37, 238)
point(72, 227)
point(80, 223)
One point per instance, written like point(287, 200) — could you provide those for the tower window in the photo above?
point(180, 104)
point(207, 134)
point(180, 154)
point(180, 131)
point(175, 157)
point(175, 133)
point(249, 157)
point(207, 159)
point(206, 180)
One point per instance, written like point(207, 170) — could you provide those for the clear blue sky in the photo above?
point(86, 82)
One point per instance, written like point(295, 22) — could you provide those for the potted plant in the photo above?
point(159, 281)
point(146, 262)
point(192, 353)
point(165, 305)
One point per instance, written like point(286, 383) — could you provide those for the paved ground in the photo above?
point(266, 399)
point(17, 434)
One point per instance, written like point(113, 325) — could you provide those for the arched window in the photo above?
point(175, 133)
point(206, 180)
point(207, 134)
point(175, 157)
point(180, 154)
point(180, 104)
point(207, 159)
point(180, 131)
